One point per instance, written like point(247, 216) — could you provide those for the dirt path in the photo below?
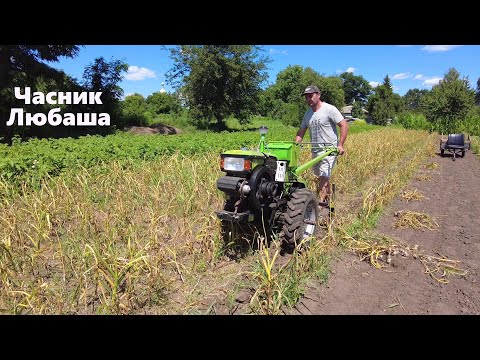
point(356, 287)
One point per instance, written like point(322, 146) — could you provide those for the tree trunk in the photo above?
point(220, 125)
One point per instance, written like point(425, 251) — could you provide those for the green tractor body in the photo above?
point(264, 187)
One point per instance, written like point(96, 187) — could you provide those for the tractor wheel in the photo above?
point(463, 153)
point(442, 152)
point(300, 219)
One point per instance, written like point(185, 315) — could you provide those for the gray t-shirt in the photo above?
point(322, 124)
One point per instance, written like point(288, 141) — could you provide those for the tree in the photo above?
point(449, 101)
point(330, 87)
point(357, 110)
point(102, 76)
point(356, 88)
point(285, 96)
point(267, 101)
point(133, 109)
point(332, 92)
point(289, 83)
point(383, 105)
point(163, 103)
point(414, 99)
point(477, 95)
point(23, 66)
point(28, 59)
point(219, 80)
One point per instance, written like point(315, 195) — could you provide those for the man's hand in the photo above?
point(300, 134)
point(341, 150)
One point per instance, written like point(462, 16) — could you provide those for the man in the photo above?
point(322, 120)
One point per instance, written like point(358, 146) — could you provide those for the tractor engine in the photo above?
point(250, 179)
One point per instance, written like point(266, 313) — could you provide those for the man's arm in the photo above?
point(343, 135)
point(300, 135)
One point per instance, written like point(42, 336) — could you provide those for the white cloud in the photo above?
point(277, 52)
point(401, 76)
point(136, 73)
point(439, 48)
point(428, 81)
point(432, 81)
point(374, 84)
point(350, 69)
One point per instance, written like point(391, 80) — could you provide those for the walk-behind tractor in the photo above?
point(263, 187)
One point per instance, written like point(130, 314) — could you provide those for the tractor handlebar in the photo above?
point(320, 146)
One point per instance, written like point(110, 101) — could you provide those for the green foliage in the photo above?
point(290, 84)
point(383, 105)
point(134, 108)
point(356, 88)
point(413, 121)
point(449, 102)
point(267, 102)
point(180, 120)
point(330, 87)
point(381, 113)
point(23, 66)
point(289, 113)
point(163, 103)
point(219, 80)
point(357, 110)
point(448, 108)
point(103, 76)
point(284, 99)
point(332, 92)
point(477, 94)
point(414, 99)
point(28, 60)
point(470, 124)
point(25, 69)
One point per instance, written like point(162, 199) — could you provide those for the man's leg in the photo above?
point(323, 188)
point(323, 171)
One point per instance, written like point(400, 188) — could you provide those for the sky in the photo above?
point(408, 66)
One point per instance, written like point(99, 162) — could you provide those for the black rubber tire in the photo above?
point(302, 206)
point(463, 153)
point(442, 152)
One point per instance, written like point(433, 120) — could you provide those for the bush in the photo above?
point(413, 121)
point(471, 124)
point(289, 114)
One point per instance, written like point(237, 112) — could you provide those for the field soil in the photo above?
point(159, 129)
point(408, 285)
